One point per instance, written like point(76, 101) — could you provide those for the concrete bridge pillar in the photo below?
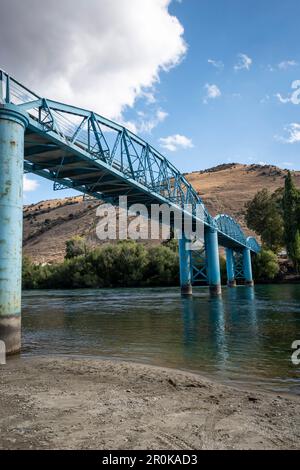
point(231, 282)
point(185, 263)
point(247, 267)
point(213, 262)
point(12, 127)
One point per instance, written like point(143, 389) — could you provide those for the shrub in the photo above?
point(75, 247)
point(162, 269)
point(265, 265)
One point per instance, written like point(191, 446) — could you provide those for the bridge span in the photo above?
point(79, 149)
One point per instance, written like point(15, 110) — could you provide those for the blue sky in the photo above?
point(247, 122)
point(226, 95)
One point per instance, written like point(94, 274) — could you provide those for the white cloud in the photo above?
point(149, 96)
point(100, 56)
point(244, 62)
point(218, 64)
point(161, 115)
point(282, 99)
point(175, 142)
point(212, 92)
point(29, 184)
point(293, 134)
point(145, 123)
point(294, 97)
point(285, 64)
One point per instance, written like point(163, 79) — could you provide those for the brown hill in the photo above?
point(224, 189)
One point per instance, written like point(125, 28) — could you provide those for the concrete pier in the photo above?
point(247, 267)
point(12, 127)
point(185, 267)
point(213, 262)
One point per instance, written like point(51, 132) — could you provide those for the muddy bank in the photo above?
point(64, 403)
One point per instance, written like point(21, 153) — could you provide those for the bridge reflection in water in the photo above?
point(225, 323)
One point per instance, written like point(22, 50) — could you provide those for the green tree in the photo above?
point(291, 211)
point(172, 244)
point(163, 267)
point(122, 264)
point(265, 265)
point(30, 274)
point(131, 260)
point(264, 215)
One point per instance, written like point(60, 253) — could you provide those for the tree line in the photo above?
point(123, 264)
point(126, 263)
point(276, 218)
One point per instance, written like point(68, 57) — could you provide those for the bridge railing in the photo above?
point(253, 244)
point(230, 227)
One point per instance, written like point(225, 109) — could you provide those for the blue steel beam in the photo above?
point(253, 244)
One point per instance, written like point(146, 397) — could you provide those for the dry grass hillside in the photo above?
point(224, 189)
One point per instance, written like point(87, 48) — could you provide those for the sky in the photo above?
point(204, 81)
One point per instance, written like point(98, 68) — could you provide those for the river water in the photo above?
point(244, 337)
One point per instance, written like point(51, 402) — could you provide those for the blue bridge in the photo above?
point(79, 149)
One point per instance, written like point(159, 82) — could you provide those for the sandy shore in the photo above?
point(62, 403)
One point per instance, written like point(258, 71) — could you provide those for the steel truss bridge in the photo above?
point(79, 149)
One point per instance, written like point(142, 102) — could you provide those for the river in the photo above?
point(245, 337)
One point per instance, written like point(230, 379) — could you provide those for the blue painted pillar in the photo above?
point(247, 267)
point(12, 126)
point(213, 261)
point(231, 282)
point(185, 266)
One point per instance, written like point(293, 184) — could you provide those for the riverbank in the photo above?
point(65, 403)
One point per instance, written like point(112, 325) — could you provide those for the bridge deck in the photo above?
point(68, 168)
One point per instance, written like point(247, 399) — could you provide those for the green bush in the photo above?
point(124, 264)
point(119, 265)
point(31, 274)
point(265, 265)
point(162, 268)
point(75, 247)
